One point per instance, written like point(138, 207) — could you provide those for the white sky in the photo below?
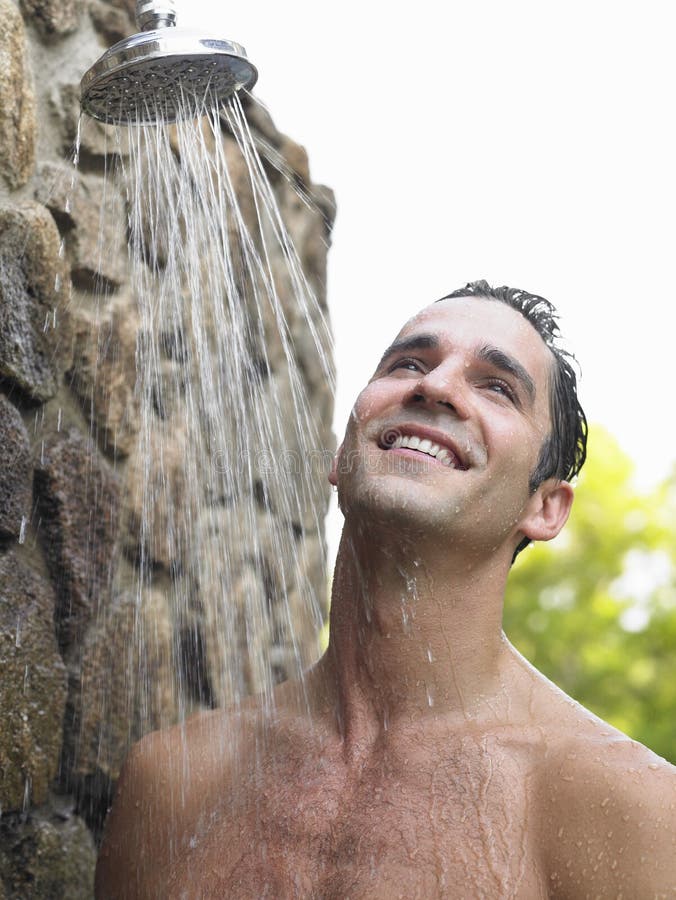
point(529, 143)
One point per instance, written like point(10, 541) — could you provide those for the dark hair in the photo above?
point(564, 451)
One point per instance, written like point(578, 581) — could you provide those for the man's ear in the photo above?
point(547, 510)
point(333, 473)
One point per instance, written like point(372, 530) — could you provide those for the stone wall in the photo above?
point(72, 644)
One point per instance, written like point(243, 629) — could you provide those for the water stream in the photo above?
point(229, 470)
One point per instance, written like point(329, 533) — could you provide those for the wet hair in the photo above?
point(564, 451)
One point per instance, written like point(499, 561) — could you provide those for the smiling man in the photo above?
point(422, 756)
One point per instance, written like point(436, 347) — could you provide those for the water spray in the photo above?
point(219, 292)
point(163, 72)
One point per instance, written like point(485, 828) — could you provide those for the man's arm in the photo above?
point(170, 782)
point(137, 829)
point(613, 823)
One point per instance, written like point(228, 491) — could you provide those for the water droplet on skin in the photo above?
point(58, 420)
point(430, 658)
point(653, 766)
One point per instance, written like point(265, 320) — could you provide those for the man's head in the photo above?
point(480, 376)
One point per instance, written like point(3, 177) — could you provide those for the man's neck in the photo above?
point(413, 632)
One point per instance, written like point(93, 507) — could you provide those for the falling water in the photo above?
point(227, 322)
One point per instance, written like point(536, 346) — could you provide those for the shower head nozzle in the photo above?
point(163, 72)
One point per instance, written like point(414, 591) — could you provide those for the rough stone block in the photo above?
point(78, 504)
point(32, 686)
point(232, 612)
point(90, 215)
point(296, 158)
point(113, 21)
point(260, 121)
point(16, 471)
point(160, 493)
point(17, 101)
point(50, 854)
point(240, 179)
point(128, 6)
point(306, 225)
point(297, 453)
point(34, 291)
point(124, 686)
point(325, 201)
point(252, 577)
point(97, 140)
point(53, 17)
point(103, 376)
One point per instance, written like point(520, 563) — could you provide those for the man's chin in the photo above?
point(412, 509)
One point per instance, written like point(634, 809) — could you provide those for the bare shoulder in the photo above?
point(610, 814)
point(165, 778)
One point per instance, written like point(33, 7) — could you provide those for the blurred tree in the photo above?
point(595, 610)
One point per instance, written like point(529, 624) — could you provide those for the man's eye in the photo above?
point(411, 364)
point(501, 387)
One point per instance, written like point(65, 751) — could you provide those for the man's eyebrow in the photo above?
point(507, 363)
point(406, 345)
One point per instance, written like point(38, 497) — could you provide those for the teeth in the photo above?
point(425, 446)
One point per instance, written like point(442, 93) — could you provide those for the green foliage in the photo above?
point(595, 610)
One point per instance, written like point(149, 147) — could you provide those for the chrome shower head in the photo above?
point(163, 72)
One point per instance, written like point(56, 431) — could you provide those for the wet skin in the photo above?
point(424, 757)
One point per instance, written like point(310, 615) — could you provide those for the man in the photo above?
point(424, 757)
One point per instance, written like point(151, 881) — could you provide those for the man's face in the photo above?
point(471, 376)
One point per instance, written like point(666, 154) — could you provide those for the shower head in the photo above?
point(163, 72)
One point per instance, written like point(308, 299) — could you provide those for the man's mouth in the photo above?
point(442, 452)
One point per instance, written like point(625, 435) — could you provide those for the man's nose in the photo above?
point(440, 386)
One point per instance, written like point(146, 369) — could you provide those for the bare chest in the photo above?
point(455, 824)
